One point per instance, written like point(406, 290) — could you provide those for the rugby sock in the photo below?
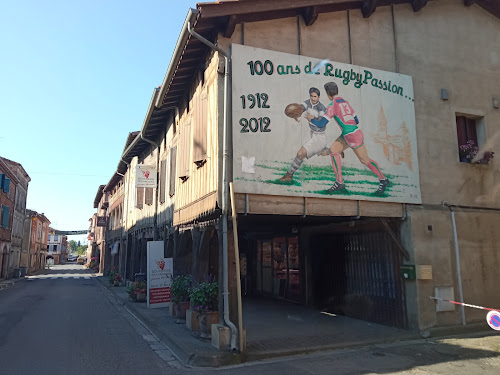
point(372, 164)
point(295, 165)
point(337, 167)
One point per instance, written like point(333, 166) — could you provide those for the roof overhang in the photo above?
point(98, 196)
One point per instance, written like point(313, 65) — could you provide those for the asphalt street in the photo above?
point(61, 322)
point(64, 321)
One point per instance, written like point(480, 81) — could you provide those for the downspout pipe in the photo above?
point(457, 257)
point(225, 184)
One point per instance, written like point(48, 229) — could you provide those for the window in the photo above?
point(139, 197)
point(470, 135)
point(149, 196)
point(55, 248)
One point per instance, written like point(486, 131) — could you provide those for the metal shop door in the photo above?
point(277, 270)
point(356, 274)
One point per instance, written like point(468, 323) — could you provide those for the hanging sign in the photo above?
point(101, 221)
point(145, 176)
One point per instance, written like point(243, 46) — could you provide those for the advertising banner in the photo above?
point(312, 127)
point(159, 279)
point(145, 176)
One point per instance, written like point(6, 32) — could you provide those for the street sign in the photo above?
point(493, 319)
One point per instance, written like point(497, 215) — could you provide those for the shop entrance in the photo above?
point(356, 274)
point(277, 268)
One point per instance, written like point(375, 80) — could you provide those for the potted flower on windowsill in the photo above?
point(205, 301)
point(468, 153)
point(180, 289)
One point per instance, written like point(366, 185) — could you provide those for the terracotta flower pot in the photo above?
point(141, 297)
point(206, 320)
point(180, 310)
point(116, 283)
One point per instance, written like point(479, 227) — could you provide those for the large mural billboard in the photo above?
point(304, 126)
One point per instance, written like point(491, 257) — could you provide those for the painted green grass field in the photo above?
point(315, 180)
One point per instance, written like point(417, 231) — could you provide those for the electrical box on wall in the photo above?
point(407, 271)
point(444, 292)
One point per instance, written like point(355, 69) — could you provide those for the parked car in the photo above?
point(80, 260)
point(72, 258)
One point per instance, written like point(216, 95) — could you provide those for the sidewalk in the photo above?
point(189, 350)
point(274, 330)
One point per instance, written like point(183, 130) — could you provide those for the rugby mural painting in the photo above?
point(309, 127)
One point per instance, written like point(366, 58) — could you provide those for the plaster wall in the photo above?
point(444, 46)
point(478, 239)
point(440, 48)
point(456, 48)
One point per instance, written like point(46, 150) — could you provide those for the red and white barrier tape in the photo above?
point(464, 304)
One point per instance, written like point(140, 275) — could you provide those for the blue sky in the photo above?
point(75, 78)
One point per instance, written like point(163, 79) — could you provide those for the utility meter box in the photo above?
point(407, 271)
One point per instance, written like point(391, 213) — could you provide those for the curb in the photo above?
point(193, 358)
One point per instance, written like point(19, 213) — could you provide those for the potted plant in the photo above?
point(205, 301)
point(137, 291)
point(140, 291)
point(467, 151)
point(180, 289)
point(112, 272)
point(117, 280)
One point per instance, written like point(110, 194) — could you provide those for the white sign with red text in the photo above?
point(145, 176)
point(160, 271)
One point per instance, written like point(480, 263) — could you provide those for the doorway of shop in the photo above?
point(356, 274)
point(277, 268)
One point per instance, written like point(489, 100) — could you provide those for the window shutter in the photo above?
point(173, 163)
point(6, 185)
point(5, 221)
point(185, 151)
point(2, 176)
point(200, 128)
point(140, 197)
point(163, 170)
point(149, 196)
